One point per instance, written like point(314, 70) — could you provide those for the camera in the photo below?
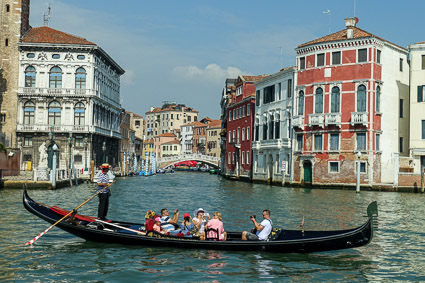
point(252, 216)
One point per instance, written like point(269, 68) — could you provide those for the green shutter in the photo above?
point(420, 96)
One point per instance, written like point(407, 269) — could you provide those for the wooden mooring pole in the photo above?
point(422, 178)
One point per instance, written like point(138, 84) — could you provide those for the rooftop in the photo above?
point(49, 35)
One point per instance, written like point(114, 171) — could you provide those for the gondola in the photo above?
point(280, 240)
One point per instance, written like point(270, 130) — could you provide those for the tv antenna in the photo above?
point(46, 18)
point(328, 12)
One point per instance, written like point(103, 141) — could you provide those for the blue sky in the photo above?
point(184, 50)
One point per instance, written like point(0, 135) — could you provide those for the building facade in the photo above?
point(351, 106)
point(68, 95)
point(14, 17)
point(213, 138)
point(186, 139)
point(272, 145)
point(417, 106)
point(228, 92)
point(240, 121)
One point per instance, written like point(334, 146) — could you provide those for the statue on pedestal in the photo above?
point(42, 163)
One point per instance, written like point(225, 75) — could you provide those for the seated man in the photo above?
point(263, 229)
point(165, 218)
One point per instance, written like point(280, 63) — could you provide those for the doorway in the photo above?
point(308, 171)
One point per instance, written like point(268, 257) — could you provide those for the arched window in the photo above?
point(29, 113)
point(361, 98)
point(54, 113)
point(79, 114)
point(318, 100)
point(80, 78)
point(335, 99)
point(378, 99)
point(301, 103)
point(55, 77)
point(30, 76)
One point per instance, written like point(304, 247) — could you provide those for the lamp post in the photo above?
point(359, 154)
point(70, 146)
point(53, 174)
point(51, 136)
point(85, 157)
point(104, 149)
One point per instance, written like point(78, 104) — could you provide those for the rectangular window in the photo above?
point(247, 133)
point(247, 110)
point(361, 141)
point(401, 144)
point(333, 166)
point(228, 158)
point(243, 111)
point(401, 109)
point(233, 158)
point(78, 158)
point(27, 141)
point(79, 141)
point(302, 63)
point(230, 137)
point(257, 98)
point(318, 142)
point(362, 167)
point(336, 58)
point(234, 136)
point(401, 65)
point(290, 88)
point(234, 114)
point(279, 91)
point(321, 60)
point(362, 55)
point(243, 134)
point(230, 115)
point(378, 56)
point(423, 62)
point(334, 142)
point(378, 142)
point(299, 142)
point(421, 94)
point(423, 129)
point(243, 158)
point(247, 157)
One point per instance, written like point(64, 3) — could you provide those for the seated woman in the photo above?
point(199, 221)
point(187, 225)
point(149, 222)
point(157, 225)
point(217, 225)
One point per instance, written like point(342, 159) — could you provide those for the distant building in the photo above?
point(186, 139)
point(168, 119)
point(240, 122)
point(200, 135)
point(161, 139)
point(352, 99)
point(228, 92)
point(171, 148)
point(272, 145)
point(137, 124)
point(213, 138)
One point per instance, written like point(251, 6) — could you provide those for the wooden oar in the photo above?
point(74, 210)
point(121, 227)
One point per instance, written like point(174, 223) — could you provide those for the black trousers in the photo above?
point(102, 210)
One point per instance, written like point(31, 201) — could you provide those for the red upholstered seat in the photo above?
point(64, 212)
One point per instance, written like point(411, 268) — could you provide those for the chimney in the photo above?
point(349, 23)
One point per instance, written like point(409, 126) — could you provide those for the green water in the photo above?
point(395, 254)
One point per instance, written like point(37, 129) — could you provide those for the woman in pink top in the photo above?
point(157, 224)
point(216, 224)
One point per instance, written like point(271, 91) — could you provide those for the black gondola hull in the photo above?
point(289, 241)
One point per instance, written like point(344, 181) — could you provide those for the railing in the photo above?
point(333, 119)
point(67, 129)
point(56, 91)
point(316, 120)
point(189, 157)
point(298, 121)
point(359, 118)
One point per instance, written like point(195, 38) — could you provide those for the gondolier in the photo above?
point(102, 181)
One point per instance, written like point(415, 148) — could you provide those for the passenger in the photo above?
point(187, 224)
point(157, 225)
point(216, 224)
point(149, 222)
point(263, 229)
point(199, 221)
point(166, 221)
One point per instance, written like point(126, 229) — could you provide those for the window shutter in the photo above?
point(420, 96)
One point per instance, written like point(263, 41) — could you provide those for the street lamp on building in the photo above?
point(51, 136)
point(70, 146)
point(104, 149)
point(85, 148)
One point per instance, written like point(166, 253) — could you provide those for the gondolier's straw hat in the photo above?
point(105, 165)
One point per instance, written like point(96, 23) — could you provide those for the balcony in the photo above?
point(298, 121)
point(333, 119)
point(316, 120)
point(56, 129)
point(54, 91)
point(359, 118)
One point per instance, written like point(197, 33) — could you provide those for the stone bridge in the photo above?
point(171, 160)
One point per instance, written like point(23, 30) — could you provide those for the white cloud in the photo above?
point(211, 73)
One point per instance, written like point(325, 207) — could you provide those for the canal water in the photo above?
point(396, 253)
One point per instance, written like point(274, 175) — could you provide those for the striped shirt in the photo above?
point(103, 178)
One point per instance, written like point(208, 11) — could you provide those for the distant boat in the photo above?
point(213, 171)
point(110, 174)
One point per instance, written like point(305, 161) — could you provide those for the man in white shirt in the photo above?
point(263, 229)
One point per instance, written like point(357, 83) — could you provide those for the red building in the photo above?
point(240, 121)
point(339, 116)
